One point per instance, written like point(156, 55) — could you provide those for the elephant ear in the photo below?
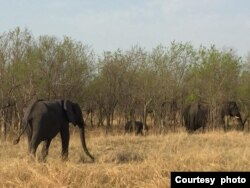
point(68, 107)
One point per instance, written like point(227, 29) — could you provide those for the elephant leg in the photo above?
point(138, 130)
point(226, 121)
point(29, 136)
point(65, 142)
point(29, 143)
point(191, 125)
point(130, 128)
point(141, 132)
point(33, 145)
point(45, 149)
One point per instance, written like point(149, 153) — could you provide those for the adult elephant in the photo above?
point(136, 126)
point(230, 109)
point(43, 120)
point(195, 116)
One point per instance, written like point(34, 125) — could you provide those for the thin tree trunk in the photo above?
point(145, 113)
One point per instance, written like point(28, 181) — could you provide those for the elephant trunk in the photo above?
point(241, 123)
point(82, 135)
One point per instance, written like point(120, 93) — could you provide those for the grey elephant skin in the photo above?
point(195, 116)
point(136, 126)
point(230, 109)
point(43, 120)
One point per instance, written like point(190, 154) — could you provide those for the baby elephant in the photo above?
point(136, 126)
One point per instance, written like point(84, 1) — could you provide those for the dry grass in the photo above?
point(124, 161)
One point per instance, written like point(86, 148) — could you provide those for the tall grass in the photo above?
point(124, 161)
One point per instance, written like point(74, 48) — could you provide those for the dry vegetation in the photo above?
point(124, 161)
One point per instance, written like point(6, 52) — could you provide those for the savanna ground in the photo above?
point(124, 160)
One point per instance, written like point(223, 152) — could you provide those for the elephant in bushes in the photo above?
point(136, 126)
point(230, 109)
point(195, 116)
point(43, 120)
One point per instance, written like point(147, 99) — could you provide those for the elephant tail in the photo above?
point(16, 141)
point(26, 119)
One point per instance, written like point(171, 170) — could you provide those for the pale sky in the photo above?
point(112, 24)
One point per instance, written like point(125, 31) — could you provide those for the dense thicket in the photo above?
point(118, 85)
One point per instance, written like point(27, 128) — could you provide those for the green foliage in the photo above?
point(215, 75)
point(117, 82)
